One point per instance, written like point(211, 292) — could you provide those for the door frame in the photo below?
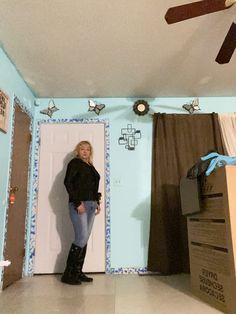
point(32, 240)
point(17, 102)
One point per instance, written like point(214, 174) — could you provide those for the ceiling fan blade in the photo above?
point(194, 9)
point(228, 46)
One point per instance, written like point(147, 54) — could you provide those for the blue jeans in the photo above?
point(83, 223)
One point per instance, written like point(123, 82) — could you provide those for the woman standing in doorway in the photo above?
point(81, 182)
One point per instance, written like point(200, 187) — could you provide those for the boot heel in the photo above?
point(84, 278)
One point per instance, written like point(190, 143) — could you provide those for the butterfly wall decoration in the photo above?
point(94, 106)
point(193, 106)
point(50, 110)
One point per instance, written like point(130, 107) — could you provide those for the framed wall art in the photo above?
point(4, 107)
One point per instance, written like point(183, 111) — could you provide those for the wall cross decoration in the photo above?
point(130, 137)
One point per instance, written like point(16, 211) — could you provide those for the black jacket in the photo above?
point(81, 182)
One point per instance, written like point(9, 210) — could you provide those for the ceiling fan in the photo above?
point(199, 8)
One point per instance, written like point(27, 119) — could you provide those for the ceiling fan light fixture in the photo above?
point(141, 107)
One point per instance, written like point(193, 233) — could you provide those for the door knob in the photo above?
point(12, 196)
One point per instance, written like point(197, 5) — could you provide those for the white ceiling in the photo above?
point(108, 48)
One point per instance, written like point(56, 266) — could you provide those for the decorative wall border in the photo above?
point(35, 188)
point(16, 101)
point(128, 270)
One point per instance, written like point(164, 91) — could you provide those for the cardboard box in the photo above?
point(211, 231)
point(212, 241)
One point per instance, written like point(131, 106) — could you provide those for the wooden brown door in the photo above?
point(15, 238)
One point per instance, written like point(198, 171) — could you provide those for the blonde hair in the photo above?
point(77, 148)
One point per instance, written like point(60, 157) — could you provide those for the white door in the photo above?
point(54, 232)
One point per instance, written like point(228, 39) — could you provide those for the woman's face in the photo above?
point(84, 152)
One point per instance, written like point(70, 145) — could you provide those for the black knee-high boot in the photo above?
point(70, 274)
point(82, 276)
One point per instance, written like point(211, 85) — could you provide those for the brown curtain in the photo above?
point(178, 142)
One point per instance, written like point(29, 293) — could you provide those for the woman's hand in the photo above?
point(98, 209)
point(81, 209)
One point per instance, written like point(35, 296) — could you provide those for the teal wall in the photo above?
point(130, 171)
point(13, 85)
